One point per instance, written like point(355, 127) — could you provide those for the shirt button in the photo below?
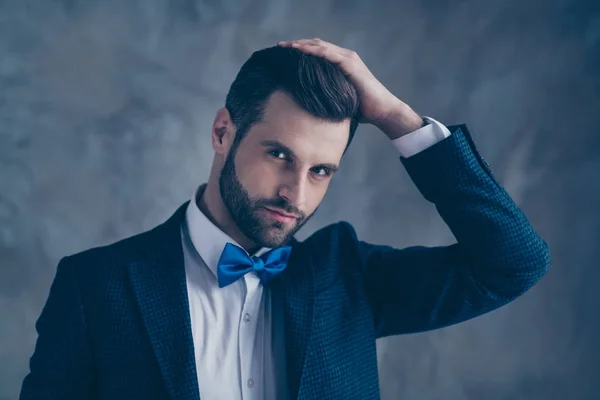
point(250, 383)
point(247, 317)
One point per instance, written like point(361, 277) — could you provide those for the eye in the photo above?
point(322, 171)
point(278, 154)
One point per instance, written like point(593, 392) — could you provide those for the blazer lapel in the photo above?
point(159, 285)
point(296, 287)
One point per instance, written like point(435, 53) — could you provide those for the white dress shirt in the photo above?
point(237, 331)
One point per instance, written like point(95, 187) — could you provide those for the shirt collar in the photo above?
point(208, 240)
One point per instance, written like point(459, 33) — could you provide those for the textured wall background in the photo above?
point(105, 116)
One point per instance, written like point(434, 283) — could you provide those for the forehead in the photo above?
point(308, 136)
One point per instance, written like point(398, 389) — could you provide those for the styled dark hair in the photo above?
point(317, 85)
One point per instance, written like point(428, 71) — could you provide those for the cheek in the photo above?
point(258, 178)
point(316, 197)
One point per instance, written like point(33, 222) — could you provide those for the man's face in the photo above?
point(283, 165)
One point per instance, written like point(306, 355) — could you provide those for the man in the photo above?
point(221, 302)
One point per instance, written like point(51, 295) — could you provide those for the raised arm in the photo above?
point(498, 255)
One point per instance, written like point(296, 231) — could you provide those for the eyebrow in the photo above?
point(283, 147)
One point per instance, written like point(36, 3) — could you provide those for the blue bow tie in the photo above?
point(235, 263)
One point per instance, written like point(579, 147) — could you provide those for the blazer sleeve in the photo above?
point(498, 255)
point(61, 366)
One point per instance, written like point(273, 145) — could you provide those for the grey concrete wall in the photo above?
point(105, 115)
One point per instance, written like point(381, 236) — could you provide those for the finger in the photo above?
point(313, 41)
point(327, 52)
point(321, 42)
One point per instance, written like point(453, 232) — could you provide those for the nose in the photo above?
point(294, 191)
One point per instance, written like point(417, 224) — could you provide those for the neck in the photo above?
point(211, 204)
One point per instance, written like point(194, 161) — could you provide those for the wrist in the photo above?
point(399, 121)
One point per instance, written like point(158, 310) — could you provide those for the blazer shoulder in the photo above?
point(122, 248)
point(333, 246)
point(332, 237)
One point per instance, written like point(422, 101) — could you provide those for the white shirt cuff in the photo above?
point(421, 139)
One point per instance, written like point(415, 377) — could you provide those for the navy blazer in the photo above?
point(116, 324)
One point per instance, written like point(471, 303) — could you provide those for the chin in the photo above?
point(271, 233)
point(272, 241)
point(274, 236)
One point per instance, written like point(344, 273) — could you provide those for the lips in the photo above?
point(280, 216)
point(283, 214)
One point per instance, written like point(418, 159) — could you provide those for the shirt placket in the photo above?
point(251, 368)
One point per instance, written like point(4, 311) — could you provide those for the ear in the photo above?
point(223, 132)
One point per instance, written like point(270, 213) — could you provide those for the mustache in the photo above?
point(281, 204)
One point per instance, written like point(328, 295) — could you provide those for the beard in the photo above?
point(248, 213)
